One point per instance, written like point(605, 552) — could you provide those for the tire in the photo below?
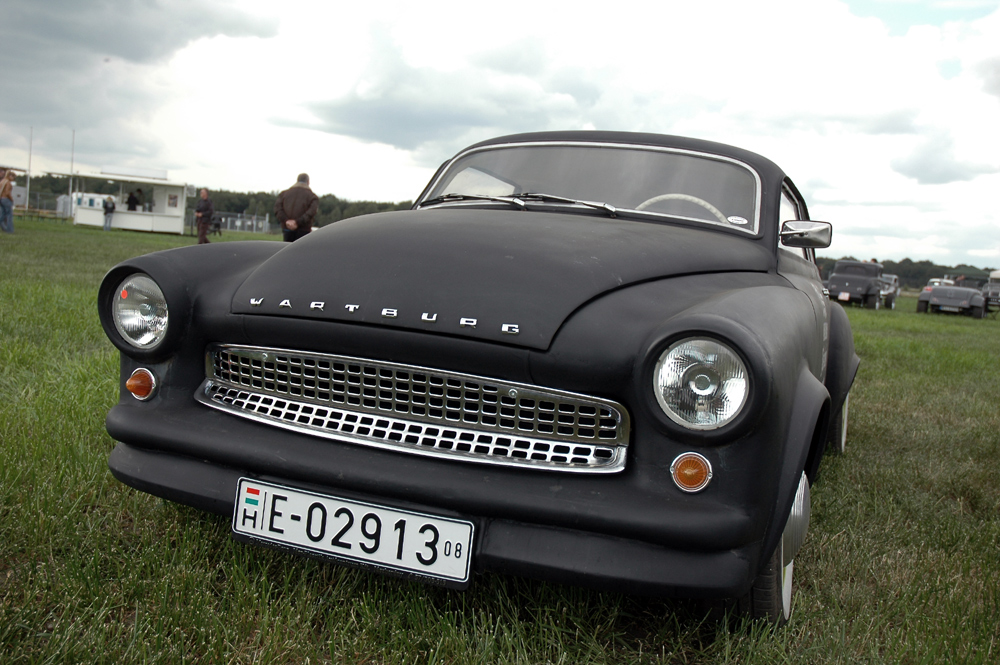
point(921, 306)
point(836, 438)
point(770, 597)
point(890, 301)
point(873, 301)
point(979, 312)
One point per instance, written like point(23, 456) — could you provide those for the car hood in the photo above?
point(507, 276)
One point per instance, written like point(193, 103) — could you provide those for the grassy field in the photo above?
point(900, 564)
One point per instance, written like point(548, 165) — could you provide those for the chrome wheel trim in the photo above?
point(786, 587)
point(842, 444)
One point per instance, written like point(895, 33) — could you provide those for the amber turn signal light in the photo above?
point(142, 384)
point(691, 472)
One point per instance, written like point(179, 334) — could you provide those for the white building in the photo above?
point(164, 202)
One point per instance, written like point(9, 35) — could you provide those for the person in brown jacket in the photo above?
point(295, 209)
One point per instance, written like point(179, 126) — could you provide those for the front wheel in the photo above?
point(979, 312)
point(770, 597)
point(890, 301)
point(836, 438)
point(873, 301)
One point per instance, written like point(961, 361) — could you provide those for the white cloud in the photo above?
point(890, 131)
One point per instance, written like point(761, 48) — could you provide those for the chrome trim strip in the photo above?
point(630, 146)
point(388, 433)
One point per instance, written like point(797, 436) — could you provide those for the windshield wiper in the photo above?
point(513, 200)
point(607, 207)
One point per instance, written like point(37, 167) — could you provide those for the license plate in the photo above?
point(950, 309)
point(400, 540)
point(844, 295)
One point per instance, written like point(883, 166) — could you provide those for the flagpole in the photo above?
point(27, 195)
point(72, 154)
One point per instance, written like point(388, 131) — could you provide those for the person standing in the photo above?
point(203, 214)
point(132, 202)
point(7, 201)
point(295, 209)
point(109, 209)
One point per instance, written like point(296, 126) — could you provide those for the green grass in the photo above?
point(900, 564)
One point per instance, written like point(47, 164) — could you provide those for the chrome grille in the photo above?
point(418, 409)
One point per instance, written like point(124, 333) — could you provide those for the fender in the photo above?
point(811, 400)
point(843, 362)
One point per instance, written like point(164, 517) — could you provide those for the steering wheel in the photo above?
point(684, 197)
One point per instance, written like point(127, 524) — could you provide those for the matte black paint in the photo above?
point(597, 300)
point(495, 266)
point(952, 296)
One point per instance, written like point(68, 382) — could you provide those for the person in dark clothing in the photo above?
point(295, 209)
point(109, 211)
point(203, 215)
point(132, 202)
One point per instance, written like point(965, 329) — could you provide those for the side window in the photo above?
point(789, 211)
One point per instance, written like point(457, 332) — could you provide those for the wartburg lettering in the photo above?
point(392, 313)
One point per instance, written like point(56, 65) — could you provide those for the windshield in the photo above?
point(696, 187)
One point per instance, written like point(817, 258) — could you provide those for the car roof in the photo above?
point(849, 262)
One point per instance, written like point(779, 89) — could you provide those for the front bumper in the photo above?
point(510, 546)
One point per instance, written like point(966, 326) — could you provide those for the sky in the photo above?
point(885, 113)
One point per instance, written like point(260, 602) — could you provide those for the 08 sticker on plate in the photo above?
point(415, 543)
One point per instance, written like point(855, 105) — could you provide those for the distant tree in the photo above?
point(331, 208)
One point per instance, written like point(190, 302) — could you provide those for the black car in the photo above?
point(861, 283)
point(952, 299)
point(594, 358)
point(890, 289)
point(991, 291)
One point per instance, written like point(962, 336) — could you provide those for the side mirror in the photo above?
point(806, 234)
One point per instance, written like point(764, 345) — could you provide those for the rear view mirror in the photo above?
point(801, 233)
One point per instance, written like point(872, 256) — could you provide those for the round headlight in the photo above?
point(139, 311)
point(700, 383)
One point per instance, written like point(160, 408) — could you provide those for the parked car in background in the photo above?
point(991, 291)
point(594, 358)
point(859, 283)
point(890, 290)
point(952, 299)
point(938, 281)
